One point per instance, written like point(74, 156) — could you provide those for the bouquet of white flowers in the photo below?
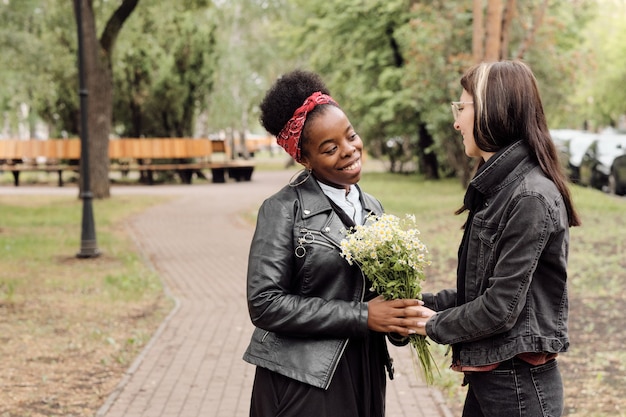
point(389, 252)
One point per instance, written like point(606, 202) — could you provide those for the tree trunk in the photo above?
point(493, 27)
point(99, 84)
point(478, 32)
point(507, 21)
point(428, 164)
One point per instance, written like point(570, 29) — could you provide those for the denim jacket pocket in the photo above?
point(487, 238)
point(482, 265)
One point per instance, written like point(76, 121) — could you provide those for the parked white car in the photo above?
point(597, 162)
point(573, 144)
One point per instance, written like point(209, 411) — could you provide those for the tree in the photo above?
point(98, 64)
point(165, 70)
point(394, 65)
point(435, 58)
point(401, 60)
point(544, 35)
point(599, 99)
point(493, 31)
point(492, 36)
point(249, 61)
point(37, 45)
point(369, 79)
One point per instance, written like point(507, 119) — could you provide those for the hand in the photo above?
point(424, 314)
point(393, 316)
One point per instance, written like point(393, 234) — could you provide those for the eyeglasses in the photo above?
point(457, 106)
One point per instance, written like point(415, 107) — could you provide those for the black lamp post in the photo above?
point(88, 242)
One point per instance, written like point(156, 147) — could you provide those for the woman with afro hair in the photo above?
point(319, 344)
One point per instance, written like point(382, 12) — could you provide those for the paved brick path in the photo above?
point(199, 244)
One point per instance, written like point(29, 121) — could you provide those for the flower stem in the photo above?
point(427, 362)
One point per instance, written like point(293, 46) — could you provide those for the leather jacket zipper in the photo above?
point(300, 251)
point(310, 238)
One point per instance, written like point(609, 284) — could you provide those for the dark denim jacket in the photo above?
point(516, 272)
point(305, 300)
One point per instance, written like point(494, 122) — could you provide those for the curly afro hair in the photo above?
point(287, 94)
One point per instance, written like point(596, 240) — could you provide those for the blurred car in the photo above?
point(617, 178)
point(572, 145)
point(597, 164)
point(559, 137)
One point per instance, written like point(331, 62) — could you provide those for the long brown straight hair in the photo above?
point(508, 108)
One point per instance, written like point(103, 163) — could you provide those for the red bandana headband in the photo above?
point(289, 137)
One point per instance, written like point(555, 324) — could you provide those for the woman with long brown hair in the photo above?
point(507, 318)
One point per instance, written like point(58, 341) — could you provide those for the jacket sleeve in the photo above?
point(273, 303)
point(441, 301)
point(526, 231)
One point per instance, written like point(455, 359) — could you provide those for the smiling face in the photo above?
point(464, 123)
point(333, 150)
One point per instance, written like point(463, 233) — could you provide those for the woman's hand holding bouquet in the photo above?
point(391, 255)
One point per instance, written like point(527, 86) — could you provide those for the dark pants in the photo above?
point(515, 389)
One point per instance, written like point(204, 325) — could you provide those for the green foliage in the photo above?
point(37, 63)
point(162, 81)
point(559, 63)
point(599, 96)
point(401, 61)
point(164, 64)
point(367, 80)
point(199, 65)
point(249, 61)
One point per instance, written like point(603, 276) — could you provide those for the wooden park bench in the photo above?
point(183, 155)
point(58, 156)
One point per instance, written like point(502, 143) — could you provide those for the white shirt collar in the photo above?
point(350, 203)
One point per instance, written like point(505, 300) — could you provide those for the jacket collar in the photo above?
point(502, 168)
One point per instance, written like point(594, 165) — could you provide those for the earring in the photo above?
point(303, 180)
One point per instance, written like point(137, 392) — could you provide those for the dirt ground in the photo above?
point(594, 371)
point(62, 359)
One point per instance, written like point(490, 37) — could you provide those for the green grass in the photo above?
point(40, 236)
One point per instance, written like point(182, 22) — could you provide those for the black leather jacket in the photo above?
point(516, 271)
point(303, 297)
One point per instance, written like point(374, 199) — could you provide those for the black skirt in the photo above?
point(356, 390)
